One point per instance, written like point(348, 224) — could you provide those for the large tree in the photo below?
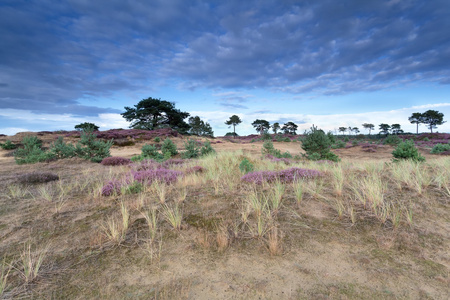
point(289, 128)
point(384, 128)
point(368, 126)
point(396, 129)
point(261, 125)
point(154, 113)
point(275, 127)
point(343, 130)
point(416, 118)
point(233, 121)
point(432, 118)
point(199, 127)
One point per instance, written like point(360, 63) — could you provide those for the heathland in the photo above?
point(235, 223)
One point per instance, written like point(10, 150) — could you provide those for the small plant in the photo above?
point(8, 145)
point(173, 215)
point(152, 222)
point(90, 148)
point(157, 139)
point(31, 263)
point(4, 272)
point(392, 140)
point(168, 148)
point(207, 149)
point(407, 150)
point(317, 145)
point(439, 148)
point(60, 149)
point(192, 149)
point(150, 152)
point(133, 188)
point(37, 177)
point(31, 152)
point(246, 166)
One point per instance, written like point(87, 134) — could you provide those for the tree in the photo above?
point(198, 127)
point(317, 145)
point(343, 130)
point(233, 121)
point(275, 127)
point(368, 126)
point(86, 126)
point(289, 128)
point(355, 130)
point(154, 113)
point(432, 118)
point(396, 129)
point(261, 125)
point(384, 128)
point(416, 118)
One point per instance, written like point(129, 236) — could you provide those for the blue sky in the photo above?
point(329, 63)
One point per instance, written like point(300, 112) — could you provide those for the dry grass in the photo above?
point(362, 220)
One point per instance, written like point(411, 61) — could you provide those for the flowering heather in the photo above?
point(112, 187)
point(37, 177)
point(163, 175)
point(286, 176)
point(195, 169)
point(115, 161)
point(272, 158)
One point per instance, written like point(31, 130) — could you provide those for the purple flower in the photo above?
point(112, 187)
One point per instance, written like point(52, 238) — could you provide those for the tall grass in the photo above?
point(173, 215)
point(115, 230)
point(152, 222)
point(4, 273)
point(31, 262)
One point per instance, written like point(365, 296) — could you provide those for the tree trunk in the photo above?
point(234, 131)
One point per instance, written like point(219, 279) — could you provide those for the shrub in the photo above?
point(150, 152)
point(123, 142)
point(134, 188)
point(8, 145)
point(246, 166)
point(115, 161)
point(392, 140)
point(37, 177)
point(169, 147)
point(90, 148)
point(113, 187)
point(338, 144)
point(192, 149)
point(62, 150)
point(355, 143)
point(285, 176)
point(157, 139)
point(407, 150)
point(31, 152)
point(207, 149)
point(439, 148)
point(317, 145)
point(266, 136)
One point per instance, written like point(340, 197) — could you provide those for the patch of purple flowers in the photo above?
point(163, 175)
point(115, 161)
point(286, 176)
point(112, 187)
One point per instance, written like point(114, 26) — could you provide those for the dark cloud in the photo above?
point(54, 53)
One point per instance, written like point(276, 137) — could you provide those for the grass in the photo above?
point(234, 239)
point(4, 273)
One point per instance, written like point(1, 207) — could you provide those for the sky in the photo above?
point(328, 63)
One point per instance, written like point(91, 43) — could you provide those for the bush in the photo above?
point(317, 145)
point(113, 187)
point(31, 152)
point(133, 188)
point(8, 145)
point(62, 150)
point(407, 150)
point(266, 136)
point(115, 161)
point(157, 139)
point(207, 149)
point(392, 140)
point(246, 166)
point(37, 177)
point(338, 144)
point(90, 148)
point(150, 152)
point(168, 148)
point(192, 149)
point(439, 148)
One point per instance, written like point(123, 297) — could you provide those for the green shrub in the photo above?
point(355, 143)
point(346, 139)
point(331, 137)
point(62, 150)
point(246, 166)
point(392, 140)
point(317, 145)
point(407, 150)
point(192, 149)
point(439, 148)
point(207, 149)
point(287, 140)
point(31, 152)
point(266, 136)
point(169, 147)
point(157, 139)
point(338, 144)
point(135, 188)
point(150, 152)
point(426, 139)
point(8, 145)
point(90, 148)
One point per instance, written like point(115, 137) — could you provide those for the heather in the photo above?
point(37, 177)
point(115, 161)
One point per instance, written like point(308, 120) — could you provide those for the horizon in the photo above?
point(331, 64)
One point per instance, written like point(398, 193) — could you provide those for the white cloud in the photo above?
point(12, 130)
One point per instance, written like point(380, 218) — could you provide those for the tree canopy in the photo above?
point(396, 129)
point(384, 128)
point(154, 113)
point(416, 118)
point(432, 118)
point(261, 125)
point(233, 121)
point(86, 126)
point(289, 128)
point(199, 127)
point(368, 126)
point(276, 127)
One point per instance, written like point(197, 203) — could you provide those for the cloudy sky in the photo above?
point(329, 63)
